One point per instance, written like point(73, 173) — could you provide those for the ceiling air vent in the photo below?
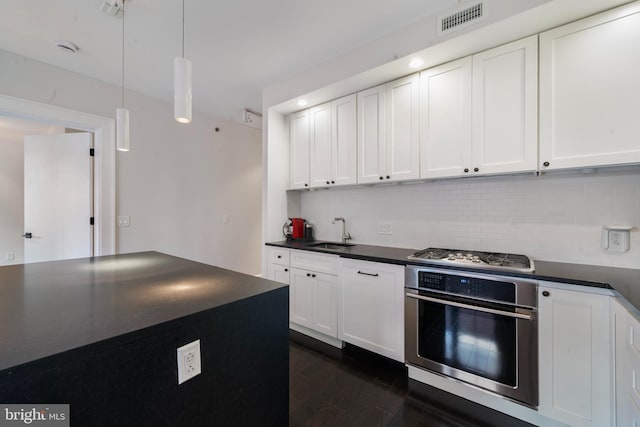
point(461, 17)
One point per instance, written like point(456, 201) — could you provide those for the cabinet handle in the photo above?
point(286, 269)
point(466, 170)
point(313, 275)
point(545, 164)
point(279, 256)
point(545, 293)
point(306, 185)
point(388, 177)
point(333, 182)
point(327, 182)
point(308, 274)
point(476, 169)
point(368, 274)
point(381, 177)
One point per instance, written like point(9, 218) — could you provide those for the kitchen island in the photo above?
point(101, 335)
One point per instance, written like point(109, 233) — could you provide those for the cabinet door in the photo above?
point(574, 357)
point(279, 273)
point(505, 108)
point(343, 141)
point(402, 129)
point(325, 304)
point(321, 145)
point(445, 120)
point(301, 294)
point(589, 91)
point(372, 307)
point(627, 364)
point(299, 148)
point(371, 135)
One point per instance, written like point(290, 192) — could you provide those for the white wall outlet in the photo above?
point(123, 221)
point(10, 256)
point(189, 361)
point(616, 238)
point(385, 228)
point(225, 219)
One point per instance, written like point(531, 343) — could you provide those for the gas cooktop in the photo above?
point(476, 259)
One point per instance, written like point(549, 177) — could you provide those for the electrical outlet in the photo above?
point(189, 361)
point(10, 256)
point(618, 240)
point(385, 228)
point(123, 221)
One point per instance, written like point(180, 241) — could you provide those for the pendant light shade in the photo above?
point(122, 114)
point(122, 129)
point(182, 96)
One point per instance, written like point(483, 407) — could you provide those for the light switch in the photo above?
point(225, 219)
point(123, 221)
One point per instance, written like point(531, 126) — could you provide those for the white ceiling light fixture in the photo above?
point(122, 114)
point(182, 96)
point(302, 102)
point(416, 63)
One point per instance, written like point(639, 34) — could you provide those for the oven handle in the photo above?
point(472, 307)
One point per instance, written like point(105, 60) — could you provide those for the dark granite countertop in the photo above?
point(625, 282)
point(50, 307)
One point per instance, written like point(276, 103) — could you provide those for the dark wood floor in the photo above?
point(353, 387)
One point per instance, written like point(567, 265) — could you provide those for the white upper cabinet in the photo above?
point(445, 119)
point(478, 115)
point(371, 134)
point(505, 108)
point(589, 91)
point(333, 143)
point(344, 143)
point(388, 126)
point(320, 143)
point(402, 129)
point(299, 149)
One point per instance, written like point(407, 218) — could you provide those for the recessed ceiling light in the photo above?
point(416, 63)
point(66, 46)
point(302, 102)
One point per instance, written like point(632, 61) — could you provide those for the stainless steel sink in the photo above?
point(330, 245)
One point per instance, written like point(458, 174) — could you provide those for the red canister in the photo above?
point(298, 228)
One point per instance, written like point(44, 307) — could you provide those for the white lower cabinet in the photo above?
point(372, 307)
point(627, 335)
point(313, 292)
point(575, 362)
point(278, 265)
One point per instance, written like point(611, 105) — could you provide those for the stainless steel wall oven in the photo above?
point(477, 328)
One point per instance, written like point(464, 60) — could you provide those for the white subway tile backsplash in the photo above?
point(552, 217)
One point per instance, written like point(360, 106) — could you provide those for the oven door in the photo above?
point(492, 346)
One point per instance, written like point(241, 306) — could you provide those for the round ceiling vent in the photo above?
point(66, 46)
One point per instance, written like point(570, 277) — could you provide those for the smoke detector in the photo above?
point(113, 8)
point(66, 46)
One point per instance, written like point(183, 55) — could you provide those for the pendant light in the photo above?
point(122, 114)
point(182, 96)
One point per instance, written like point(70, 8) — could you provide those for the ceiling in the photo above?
point(237, 47)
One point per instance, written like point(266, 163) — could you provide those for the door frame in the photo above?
point(104, 185)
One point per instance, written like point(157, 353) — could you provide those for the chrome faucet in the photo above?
point(345, 236)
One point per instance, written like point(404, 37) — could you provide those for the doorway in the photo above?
point(46, 192)
point(102, 131)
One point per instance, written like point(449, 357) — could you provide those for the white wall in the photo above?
point(178, 180)
point(552, 217)
point(11, 200)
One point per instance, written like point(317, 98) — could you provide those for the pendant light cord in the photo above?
point(123, 2)
point(183, 28)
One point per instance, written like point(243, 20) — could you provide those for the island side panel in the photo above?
point(132, 379)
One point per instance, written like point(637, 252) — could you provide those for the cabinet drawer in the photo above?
point(279, 256)
point(319, 263)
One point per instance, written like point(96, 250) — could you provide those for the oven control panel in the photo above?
point(468, 286)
